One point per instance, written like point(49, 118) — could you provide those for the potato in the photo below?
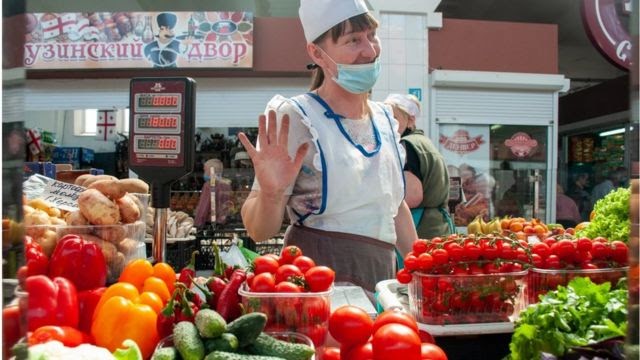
point(48, 241)
point(57, 221)
point(75, 218)
point(95, 178)
point(129, 211)
point(81, 179)
point(115, 267)
point(39, 203)
point(109, 250)
point(113, 234)
point(97, 208)
point(128, 246)
point(134, 186)
point(110, 188)
point(26, 210)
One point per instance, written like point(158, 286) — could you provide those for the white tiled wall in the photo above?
point(404, 56)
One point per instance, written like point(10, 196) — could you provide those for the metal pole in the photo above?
point(159, 245)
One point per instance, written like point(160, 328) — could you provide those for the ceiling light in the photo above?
point(612, 132)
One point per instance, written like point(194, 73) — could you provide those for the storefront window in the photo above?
point(502, 169)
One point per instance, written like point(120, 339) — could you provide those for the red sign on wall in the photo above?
point(607, 25)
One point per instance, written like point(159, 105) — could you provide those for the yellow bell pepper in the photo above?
point(130, 292)
point(159, 278)
point(120, 318)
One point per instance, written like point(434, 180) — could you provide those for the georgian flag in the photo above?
point(34, 141)
point(76, 28)
point(106, 126)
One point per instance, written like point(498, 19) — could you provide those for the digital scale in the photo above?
point(161, 141)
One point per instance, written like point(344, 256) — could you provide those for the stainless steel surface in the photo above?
point(159, 245)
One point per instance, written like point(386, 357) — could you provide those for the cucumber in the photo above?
point(223, 355)
point(210, 324)
point(187, 341)
point(270, 346)
point(247, 327)
point(167, 353)
point(226, 342)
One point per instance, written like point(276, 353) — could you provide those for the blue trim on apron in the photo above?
point(323, 204)
point(336, 117)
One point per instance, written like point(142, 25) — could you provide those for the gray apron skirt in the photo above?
point(356, 259)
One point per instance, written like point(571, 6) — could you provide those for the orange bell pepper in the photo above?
point(136, 272)
point(139, 271)
point(129, 292)
point(158, 286)
point(119, 318)
point(165, 272)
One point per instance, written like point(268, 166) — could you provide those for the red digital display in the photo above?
point(158, 122)
point(157, 143)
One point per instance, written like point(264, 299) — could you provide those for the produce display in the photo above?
point(611, 217)
point(293, 291)
point(576, 315)
point(392, 335)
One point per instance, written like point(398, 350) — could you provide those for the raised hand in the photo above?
point(274, 168)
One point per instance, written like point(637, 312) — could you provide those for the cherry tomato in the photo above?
point(432, 352)
point(286, 271)
point(583, 244)
point(289, 253)
point(411, 262)
point(456, 252)
point(350, 324)
point(287, 287)
point(425, 262)
point(419, 247)
point(264, 282)
point(440, 256)
point(472, 251)
point(395, 316)
point(319, 278)
point(304, 263)
point(396, 341)
point(620, 252)
point(265, 263)
point(331, 353)
point(598, 250)
point(541, 249)
point(403, 276)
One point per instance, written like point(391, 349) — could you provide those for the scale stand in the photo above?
point(161, 142)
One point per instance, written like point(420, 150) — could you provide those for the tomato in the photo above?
point(456, 252)
point(620, 252)
point(286, 287)
point(289, 253)
point(304, 263)
point(440, 257)
point(264, 282)
point(541, 249)
point(419, 247)
point(471, 251)
point(265, 263)
point(317, 333)
point(403, 276)
point(583, 244)
point(331, 353)
point(316, 309)
point(425, 262)
point(598, 250)
point(426, 337)
point(395, 316)
point(396, 341)
point(507, 252)
point(11, 328)
point(286, 271)
point(432, 352)
point(489, 251)
point(564, 249)
point(537, 261)
point(350, 324)
point(319, 278)
point(411, 262)
point(359, 352)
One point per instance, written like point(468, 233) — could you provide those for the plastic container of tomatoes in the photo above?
point(541, 281)
point(438, 299)
point(304, 312)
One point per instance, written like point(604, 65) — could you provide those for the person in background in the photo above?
point(610, 183)
point(223, 194)
point(578, 192)
point(425, 171)
point(331, 158)
point(567, 212)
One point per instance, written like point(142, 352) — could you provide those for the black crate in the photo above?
point(178, 253)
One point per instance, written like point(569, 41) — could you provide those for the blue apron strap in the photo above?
point(399, 259)
point(447, 218)
point(416, 214)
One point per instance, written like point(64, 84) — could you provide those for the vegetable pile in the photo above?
point(611, 218)
point(576, 315)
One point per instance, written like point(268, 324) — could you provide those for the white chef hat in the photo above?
point(318, 16)
point(406, 102)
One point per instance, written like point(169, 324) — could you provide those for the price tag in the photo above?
point(61, 195)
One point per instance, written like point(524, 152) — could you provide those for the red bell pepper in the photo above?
point(67, 335)
point(229, 303)
point(11, 331)
point(37, 261)
point(51, 302)
point(80, 261)
point(87, 302)
point(189, 271)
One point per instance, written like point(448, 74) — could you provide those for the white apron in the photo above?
point(361, 190)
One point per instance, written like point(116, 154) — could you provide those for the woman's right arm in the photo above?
point(263, 211)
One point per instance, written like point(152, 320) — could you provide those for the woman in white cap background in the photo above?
point(425, 171)
point(331, 158)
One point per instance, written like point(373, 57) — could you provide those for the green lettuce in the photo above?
point(612, 217)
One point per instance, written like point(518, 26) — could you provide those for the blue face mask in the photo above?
point(206, 177)
point(357, 79)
